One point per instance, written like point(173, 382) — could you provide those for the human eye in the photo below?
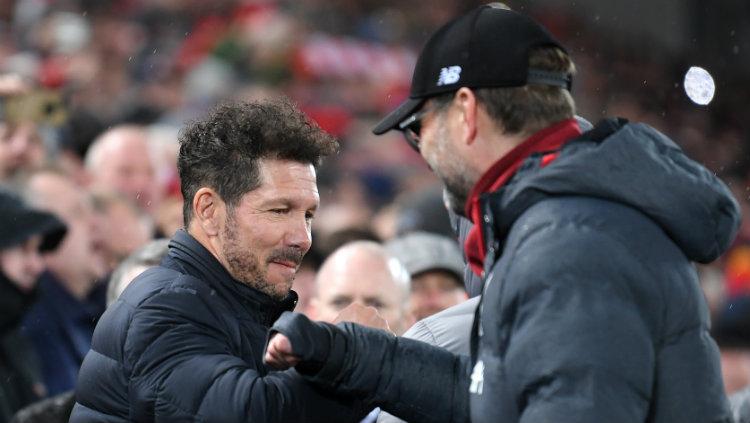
point(340, 303)
point(377, 304)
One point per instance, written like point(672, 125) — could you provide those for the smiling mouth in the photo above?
point(289, 264)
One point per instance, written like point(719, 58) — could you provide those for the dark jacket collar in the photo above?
point(195, 260)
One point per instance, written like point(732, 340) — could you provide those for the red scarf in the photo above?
point(548, 139)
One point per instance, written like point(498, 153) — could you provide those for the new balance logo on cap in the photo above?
point(449, 75)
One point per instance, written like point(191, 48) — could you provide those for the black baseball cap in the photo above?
point(487, 47)
point(19, 222)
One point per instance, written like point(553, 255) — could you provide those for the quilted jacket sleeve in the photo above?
point(415, 381)
point(181, 369)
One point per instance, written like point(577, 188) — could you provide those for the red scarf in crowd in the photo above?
point(549, 139)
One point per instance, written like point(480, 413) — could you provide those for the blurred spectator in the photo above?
point(436, 266)
point(122, 226)
point(120, 160)
point(20, 145)
point(141, 259)
point(25, 234)
point(363, 272)
point(61, 323)
point(424, 211)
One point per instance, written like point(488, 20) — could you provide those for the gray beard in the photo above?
point(454, 202)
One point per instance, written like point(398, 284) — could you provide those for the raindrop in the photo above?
point(148, 203)
point(130, 59)
point(736, 49)
point(154, 51)
point(699, 85)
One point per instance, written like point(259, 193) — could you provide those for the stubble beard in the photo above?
point(451, 170)
point(245, 267)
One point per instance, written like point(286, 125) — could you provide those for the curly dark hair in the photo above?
point(222, 150)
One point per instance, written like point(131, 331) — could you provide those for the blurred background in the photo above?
point(136, 70)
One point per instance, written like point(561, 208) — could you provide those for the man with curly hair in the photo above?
point(184, 341)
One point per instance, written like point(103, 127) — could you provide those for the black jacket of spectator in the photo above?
point(184, 342)
point(591, 310)
point(20, 377)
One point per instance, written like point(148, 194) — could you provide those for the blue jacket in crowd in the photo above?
point(591, 308)
point(184, 343)
point(60, 327)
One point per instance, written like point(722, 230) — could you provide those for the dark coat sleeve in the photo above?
point(409, 379)
point(182, 368)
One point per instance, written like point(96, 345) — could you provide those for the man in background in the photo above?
point(363, 272)
point(120, 160)
point(436, 268)
point(61, 323)
point(25, 235)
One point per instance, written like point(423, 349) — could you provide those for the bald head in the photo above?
point(364, 272)
point(120, 160)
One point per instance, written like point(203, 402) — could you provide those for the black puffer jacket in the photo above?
point(591, 309)
point(184, 343)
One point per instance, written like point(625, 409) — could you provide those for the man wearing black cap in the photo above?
point(591, 310)
point(25, 234)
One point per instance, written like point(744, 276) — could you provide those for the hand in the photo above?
point(363, 315)
point(279, 354)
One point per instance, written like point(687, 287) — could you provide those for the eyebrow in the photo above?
point(341, 297)
point(287, 202)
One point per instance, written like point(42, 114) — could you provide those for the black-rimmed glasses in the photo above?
point(412, 127)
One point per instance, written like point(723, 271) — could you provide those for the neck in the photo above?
point(207, 242)
point(77, 285)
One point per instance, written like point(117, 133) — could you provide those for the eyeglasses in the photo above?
point(412, 127)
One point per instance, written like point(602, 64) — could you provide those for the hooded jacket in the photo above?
point(591, 308)
point(184, 343)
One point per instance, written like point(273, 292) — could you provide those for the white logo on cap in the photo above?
point(449, 75)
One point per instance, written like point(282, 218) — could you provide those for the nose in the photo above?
point(299, 234)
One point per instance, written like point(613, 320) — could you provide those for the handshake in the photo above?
point(295, 339)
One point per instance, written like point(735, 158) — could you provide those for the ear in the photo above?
point(209, 211)
point(466, 101)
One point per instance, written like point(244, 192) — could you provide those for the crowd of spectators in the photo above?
point(93, 94)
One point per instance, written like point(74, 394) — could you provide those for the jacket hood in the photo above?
point(636, 165)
